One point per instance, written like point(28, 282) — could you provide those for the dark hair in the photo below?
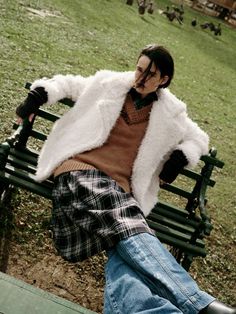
point(162, 60)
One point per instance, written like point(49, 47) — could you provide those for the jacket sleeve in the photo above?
point(194, 143)
point(32, 102)
point(62, 86)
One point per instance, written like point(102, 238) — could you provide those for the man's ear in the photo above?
point(164, 79)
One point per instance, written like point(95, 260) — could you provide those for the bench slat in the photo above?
point(170, 208)
point(47, 115)
point(183, 227)
point(176, 190)
point(195, 176)
point(26, 176)
point(176, 216)
point(38, 135)
point(213, 161)
point(16, 162)
point(25, 155)
point(186, 247)
point(165, 230)
point(33, 187)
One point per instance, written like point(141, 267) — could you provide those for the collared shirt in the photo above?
point(140, 102)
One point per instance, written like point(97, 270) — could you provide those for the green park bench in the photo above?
point(180, 218)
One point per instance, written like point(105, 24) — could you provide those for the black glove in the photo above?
point(173, 166)
point(33, 101)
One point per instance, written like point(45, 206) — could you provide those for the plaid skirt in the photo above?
point(92, 213)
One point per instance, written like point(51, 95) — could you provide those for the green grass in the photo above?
point(86, 36)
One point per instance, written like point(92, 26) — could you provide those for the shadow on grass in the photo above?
point(146, 20)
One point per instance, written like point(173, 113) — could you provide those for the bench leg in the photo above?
point(5, 194)
point(177, 253)
point(183, 259)
point(187, 261)
point(4, 151)
point(6, 223)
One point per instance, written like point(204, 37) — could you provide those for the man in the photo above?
point(125, 135)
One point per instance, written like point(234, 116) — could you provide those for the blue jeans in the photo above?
point(143, 277)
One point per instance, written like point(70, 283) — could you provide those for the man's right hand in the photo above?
point(31, 104)
point(19, 120)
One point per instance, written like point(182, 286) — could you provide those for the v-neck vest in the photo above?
point(117, 155)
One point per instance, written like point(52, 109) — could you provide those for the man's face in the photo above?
point(147, 84)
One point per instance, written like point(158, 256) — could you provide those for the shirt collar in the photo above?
point(142, 102)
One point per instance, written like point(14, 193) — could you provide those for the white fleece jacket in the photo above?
point(99, 100)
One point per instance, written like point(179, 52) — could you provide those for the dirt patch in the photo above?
point(81, 283)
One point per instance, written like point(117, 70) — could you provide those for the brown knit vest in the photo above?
point(117, 155)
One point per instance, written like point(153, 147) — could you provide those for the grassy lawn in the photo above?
point(75, 36)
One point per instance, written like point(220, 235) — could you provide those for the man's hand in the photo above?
point(173, 166)
point(19, 120)
point(31, 104)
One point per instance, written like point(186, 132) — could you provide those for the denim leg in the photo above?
point(162, 274)
point(126, 293)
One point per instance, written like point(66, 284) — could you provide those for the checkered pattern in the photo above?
point(91, 213)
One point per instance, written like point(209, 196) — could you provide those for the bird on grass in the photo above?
point(142, 7)
point(172, 15)
point(215, 29)
point(209, 25)
point(194, 23)
point(150, 8)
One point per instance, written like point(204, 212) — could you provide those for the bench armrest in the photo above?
point(211, 162)
point(22, 133)
point(206, 220)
